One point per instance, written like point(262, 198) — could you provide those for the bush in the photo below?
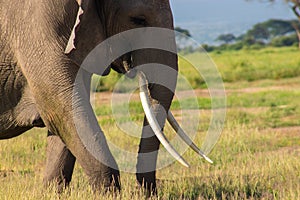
point(236, 46)
point(207, 48)
point(257, 46)
point(289, 40)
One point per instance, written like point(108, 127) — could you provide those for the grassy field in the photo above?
point(257, 156)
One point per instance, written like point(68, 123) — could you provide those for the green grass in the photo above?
point(254, 65)
point(246, 65)
point(286, 82)
point(249, 163)
point(234, 66)
point(257, 156)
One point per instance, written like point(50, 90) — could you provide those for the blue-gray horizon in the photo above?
point(206, 19)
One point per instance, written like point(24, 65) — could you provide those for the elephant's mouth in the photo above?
point(124, 65)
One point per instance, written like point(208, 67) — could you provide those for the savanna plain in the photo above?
point(257, 155)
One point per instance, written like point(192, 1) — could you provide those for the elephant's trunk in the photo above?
point(157, 79)
point(146, 102)
point(160, 68)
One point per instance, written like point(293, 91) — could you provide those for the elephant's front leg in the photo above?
point(60, 163)
point(62, 97)
point(162, 79)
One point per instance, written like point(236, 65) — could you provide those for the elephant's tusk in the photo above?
point(153, 121)
point(185, 137)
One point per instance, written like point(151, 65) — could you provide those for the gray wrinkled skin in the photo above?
point(37, 78)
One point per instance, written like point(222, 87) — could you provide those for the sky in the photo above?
point(207, 19)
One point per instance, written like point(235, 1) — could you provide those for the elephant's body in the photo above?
point(19, 30)
point(18, 112)
point(29, 36)
point(37, 79)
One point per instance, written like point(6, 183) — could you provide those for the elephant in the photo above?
point(42, 46)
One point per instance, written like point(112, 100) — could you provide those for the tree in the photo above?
point(279, 27)
point(265, 31)
point(259, 32)
point(185, 32)
point(296, 10)
point(227, 38)
point(295, 6)
point(182, 39)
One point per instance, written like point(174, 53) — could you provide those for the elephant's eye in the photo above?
point(139, 20)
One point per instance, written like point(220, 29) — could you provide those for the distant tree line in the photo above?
point(274, 32)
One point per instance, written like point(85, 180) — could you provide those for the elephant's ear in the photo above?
point(83, 3)
point(82, 6)
point(70, 46)
point(88, 30)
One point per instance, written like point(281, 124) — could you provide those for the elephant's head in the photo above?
point(100, 19)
